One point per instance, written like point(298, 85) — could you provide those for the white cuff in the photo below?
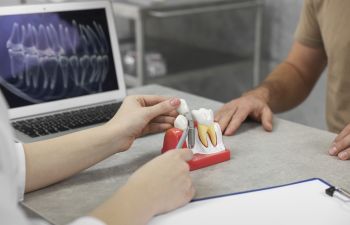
point(21, 171)
point(88, 220)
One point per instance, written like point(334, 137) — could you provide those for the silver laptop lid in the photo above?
point(58, 56)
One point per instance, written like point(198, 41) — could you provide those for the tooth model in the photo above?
point(208, 148)
point(181, 122)
point(183, 108)
point(208, 134)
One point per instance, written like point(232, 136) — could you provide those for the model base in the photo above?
point(203, 160)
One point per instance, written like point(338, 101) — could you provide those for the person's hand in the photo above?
point(161, 185)
point(341, 144)
point(233, 113)
point(164, 183)
point(141, 115)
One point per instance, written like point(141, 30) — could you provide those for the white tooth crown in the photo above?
point(203, 116)
point(181, 122)
point(183, 108)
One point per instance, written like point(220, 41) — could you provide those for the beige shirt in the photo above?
point(326, 24)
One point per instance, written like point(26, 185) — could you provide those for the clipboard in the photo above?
point(302, 202)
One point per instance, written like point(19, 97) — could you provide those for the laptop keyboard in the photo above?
point(51, 124)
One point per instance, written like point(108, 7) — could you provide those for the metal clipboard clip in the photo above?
point(339, 193)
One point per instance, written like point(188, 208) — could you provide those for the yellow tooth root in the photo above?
point(212, 135)
point(202, 133)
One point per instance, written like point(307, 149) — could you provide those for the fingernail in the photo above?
point(343, 155)
point(269, 127)
point(227, 133)
point(333, 150)
point(174, 101)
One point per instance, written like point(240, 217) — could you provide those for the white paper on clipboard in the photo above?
point(303, 202)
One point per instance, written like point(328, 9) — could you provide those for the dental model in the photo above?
point(208, 147)
point(48, 62)
point(208, 133)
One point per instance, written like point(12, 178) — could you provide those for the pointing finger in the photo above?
point(185, 154)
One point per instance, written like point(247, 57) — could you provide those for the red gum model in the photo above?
point(172, 137)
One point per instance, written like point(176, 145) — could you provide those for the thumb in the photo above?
point(163, 107)
point(266, 119)
point(185, 154)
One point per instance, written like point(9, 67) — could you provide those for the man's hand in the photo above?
point(233, 114)
point(141, 115)
point(341, 144)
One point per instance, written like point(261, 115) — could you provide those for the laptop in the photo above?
point(60, 67)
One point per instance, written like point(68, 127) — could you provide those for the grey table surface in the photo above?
point(292, 152)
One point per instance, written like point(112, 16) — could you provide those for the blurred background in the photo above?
point(213, 48)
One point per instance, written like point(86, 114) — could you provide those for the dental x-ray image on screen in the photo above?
point(52, 56)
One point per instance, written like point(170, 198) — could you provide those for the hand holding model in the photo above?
point(172, 183)
point(142, 115)
point(161, 185)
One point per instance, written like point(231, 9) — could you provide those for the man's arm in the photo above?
point(286, 87)
point(292, 81)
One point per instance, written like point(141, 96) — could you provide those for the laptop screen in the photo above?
point(54, 56)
